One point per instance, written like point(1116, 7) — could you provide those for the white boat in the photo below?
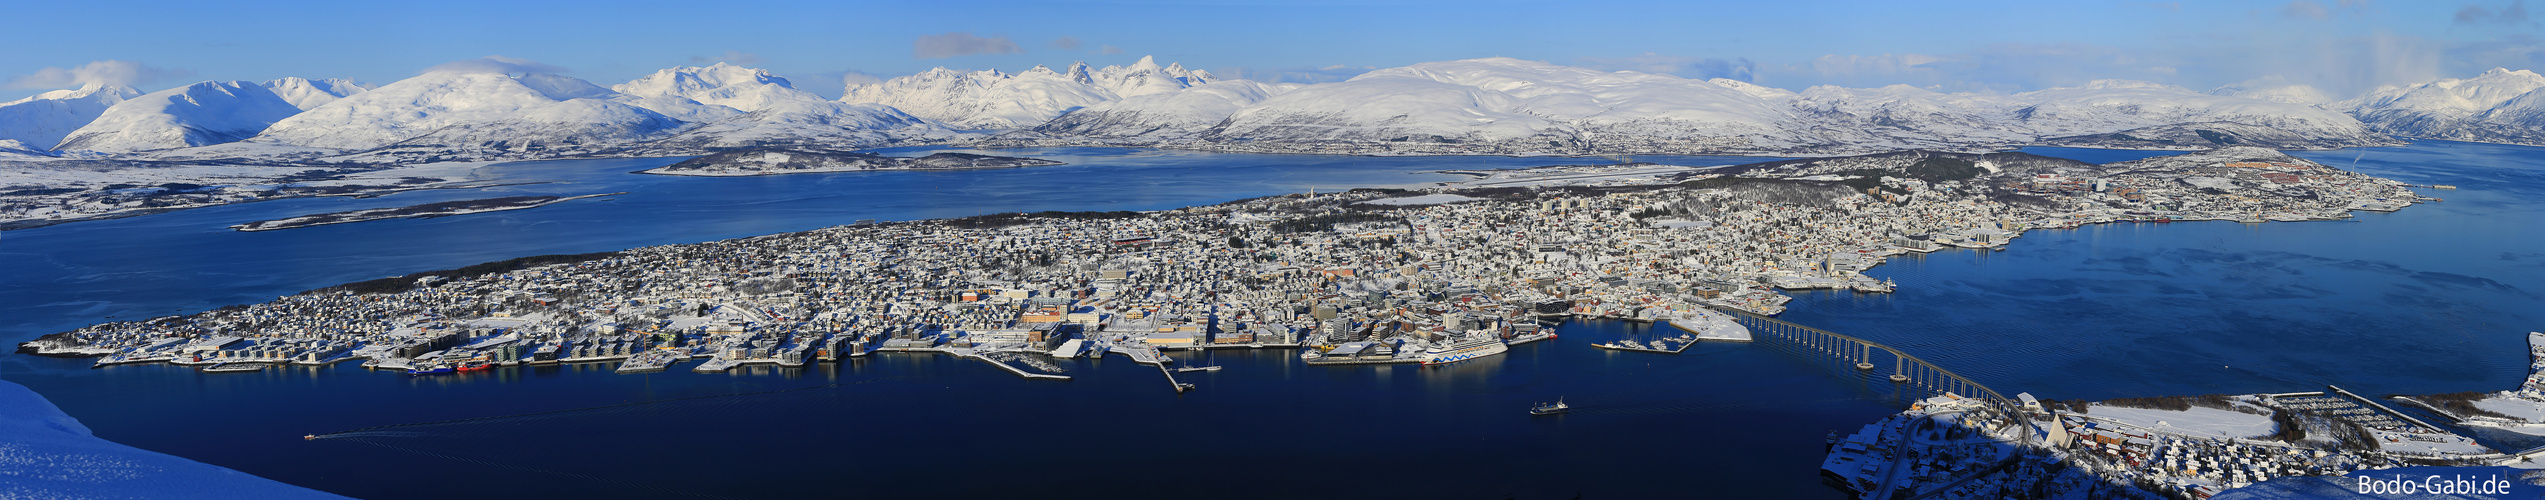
point(1471, 347)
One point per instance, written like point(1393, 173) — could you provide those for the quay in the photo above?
point(966, 352)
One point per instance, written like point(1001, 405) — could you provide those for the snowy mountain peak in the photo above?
point(305, 93)
point(744, 89)
point(991, 99)
point(2124, 84)
point(42, 120)
point(194, 115)
point(432, 102)
point(2506, 72)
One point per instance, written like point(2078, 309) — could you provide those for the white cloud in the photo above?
point(1109, 49)
point(856, 78)
point(107, 73)
point(2305, 9)
point(1685, 66)
point(954, 44)
point(730, 56)
point(1067, 43)
point(494, 64)
point(2515, 13)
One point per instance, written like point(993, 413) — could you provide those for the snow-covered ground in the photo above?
point(1578, 175)
point(45, 454)
point(1429, 199)
point(2198, 421)
point(449, 171)
point(2525, 409)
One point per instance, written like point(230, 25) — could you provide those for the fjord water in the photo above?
point(2435, 298)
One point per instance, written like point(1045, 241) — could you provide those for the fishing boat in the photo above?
point(1550, 409)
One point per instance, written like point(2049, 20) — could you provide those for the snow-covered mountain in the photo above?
point(744, 89)
point(1510, 105)
point(465, 110)
point(201, 114)
point(2498, 106)
point(996, 100)
point(823, 123)
point(40, 121)
point(305, 93)
point(1479, 106)
point(1181, 114)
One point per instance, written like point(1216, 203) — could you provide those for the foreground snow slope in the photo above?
point(45, 454)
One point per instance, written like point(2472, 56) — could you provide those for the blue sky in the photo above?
point(2343, 46)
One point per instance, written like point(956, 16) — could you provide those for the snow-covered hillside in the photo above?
point(2498, 106)
point(432, 102)
point(1180, 114)
point(997, 100)
point(823, 123)
point(46, 454)
point(201, 114)
point(40, 121)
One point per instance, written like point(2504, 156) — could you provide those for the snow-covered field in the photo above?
point(45, 454)
point(2198, 421)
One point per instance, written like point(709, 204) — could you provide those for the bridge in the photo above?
point(1920, 376)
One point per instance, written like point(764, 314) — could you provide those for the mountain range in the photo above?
point(1477, 106)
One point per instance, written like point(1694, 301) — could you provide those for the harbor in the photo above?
point(1229, 387)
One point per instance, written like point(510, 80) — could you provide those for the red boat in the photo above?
point(473, 366)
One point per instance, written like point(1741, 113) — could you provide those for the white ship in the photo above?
point(1471, 347)
point(1710, 325)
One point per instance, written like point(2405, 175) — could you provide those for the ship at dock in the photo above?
point(1470, 347)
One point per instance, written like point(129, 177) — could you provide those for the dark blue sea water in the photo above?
point(2435, 298)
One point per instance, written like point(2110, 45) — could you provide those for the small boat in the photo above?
point(1212, 368)
point(1550, 409)
point(476, 366)
point(430, 370)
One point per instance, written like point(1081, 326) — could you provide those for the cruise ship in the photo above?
point(1472, 347)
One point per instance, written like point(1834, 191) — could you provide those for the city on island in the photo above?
point(1378, 276)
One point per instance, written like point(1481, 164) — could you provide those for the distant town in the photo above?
point(1431, 276)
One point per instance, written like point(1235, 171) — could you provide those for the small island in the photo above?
point(428, 210)
point(795, 160)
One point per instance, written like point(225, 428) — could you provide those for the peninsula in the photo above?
point(798, 160)
point(429, 210)
point(1366, 276)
